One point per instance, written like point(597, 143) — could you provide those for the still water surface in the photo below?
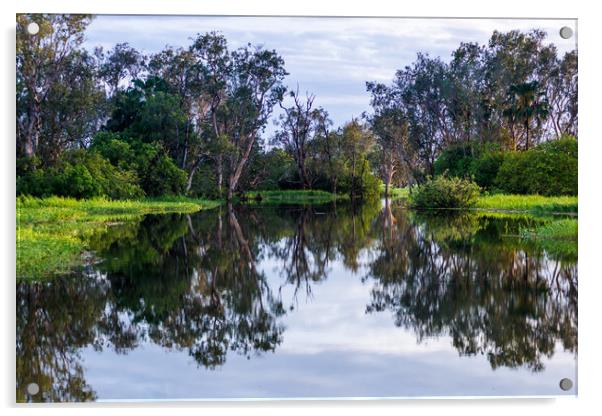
point(303, 301)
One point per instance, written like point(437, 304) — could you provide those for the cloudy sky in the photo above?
point(330, 57)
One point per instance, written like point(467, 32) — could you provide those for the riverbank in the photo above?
point(293, 197)
point(53, 233)
point(514, 203)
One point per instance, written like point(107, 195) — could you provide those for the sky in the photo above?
point(329, 57)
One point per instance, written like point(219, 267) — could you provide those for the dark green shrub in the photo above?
point(157, 172)
point(477, 162)
point(78, 174)
point(455, 161)
point(548, 169)
point(484, 169)
point(444, 192)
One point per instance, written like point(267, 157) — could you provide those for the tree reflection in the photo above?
point(449, 276)
point(199, 283)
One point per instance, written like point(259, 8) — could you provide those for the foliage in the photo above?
point(513, 92)
point(54, 232)
point(549, 169)
point(532, 203)
point(157, 173)
point(443, 192)
point(558, 238)
point(79, 174)
point(479, 163)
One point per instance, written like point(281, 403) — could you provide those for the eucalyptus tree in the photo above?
point(46, 66)
point(390, 127)
point(358, 141)
point(329, 151)
point(241, 89)
point(511, 59)
point(299, 125)
point(118, 66)
point(561, 95)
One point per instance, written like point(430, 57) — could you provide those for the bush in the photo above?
point(455, 161)
point(484, 169)
point(79, 174)
point(444, 192)
point(157, 172)
point(548, 169)
point(479, 163)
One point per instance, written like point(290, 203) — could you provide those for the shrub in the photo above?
point(444, 192)
point(548, 169)
point(477, 162)
point(157, 172)
point(79, 174)
point(485, 168)
point(455, 161)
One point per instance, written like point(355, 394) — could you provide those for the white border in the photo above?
point(590, 157)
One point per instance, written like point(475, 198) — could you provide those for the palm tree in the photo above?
point(525, 104)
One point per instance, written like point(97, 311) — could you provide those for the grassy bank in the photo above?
point(53, 233)
point(557, 237)
point(530, 203)
point(293, 197)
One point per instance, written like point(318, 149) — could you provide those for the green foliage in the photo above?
point(532, 203)
point(481, 164)
point(54, 232)
point(79, 174)
point(292, 197)
point(485, 168)
point(548, 169)
point(443, 192)
point(157, 172)
point(557, 238)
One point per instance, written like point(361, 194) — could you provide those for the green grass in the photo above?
point(53, 233)
point(557, 237)
point(530, 203)
point(294, 197)
point(395, 193)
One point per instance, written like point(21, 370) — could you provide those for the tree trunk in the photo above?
point(220, 175)
point(235, 176)
point(33, 129)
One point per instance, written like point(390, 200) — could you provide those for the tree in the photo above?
point(299, 126)
point(562, 95)
point(526, 103)
point(242, 87)
point(357, 142)
point(43, 61)
point(120, 64)
point(390, 127)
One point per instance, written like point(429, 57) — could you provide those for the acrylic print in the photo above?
point(215, 208)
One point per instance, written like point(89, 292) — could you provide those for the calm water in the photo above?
point(294, 301)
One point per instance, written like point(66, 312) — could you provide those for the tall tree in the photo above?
point(42, 62)
point(299, 125)
point(526, 104)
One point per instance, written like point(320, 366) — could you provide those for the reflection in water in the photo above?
point(192, 283)
point(456, 276)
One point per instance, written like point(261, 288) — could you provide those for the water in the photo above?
point(303, 301)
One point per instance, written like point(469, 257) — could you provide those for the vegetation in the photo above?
point(547, 169)
point(532, 203)
point(53, 233)
point(557, 238)
point(191, 120)
point(116, 126)
point(290, 197)
point(443, 192)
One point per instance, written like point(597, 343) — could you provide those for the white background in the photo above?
point(590, 178)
